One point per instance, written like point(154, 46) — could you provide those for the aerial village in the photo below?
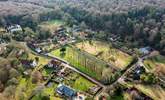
point(72, 65)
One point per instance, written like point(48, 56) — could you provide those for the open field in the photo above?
point(52, 25)
point(79, 83)
point(24, 88)
point(156, 64)
point(106, 52)
point(85, 62)
point(154, 91)
point(42, 60)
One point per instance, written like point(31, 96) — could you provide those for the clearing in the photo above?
point(52, 25)
point(156, 65)
point(106, 52)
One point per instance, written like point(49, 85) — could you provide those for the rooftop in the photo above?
point(66, 91)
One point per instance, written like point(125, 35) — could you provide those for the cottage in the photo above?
point(137, 72)
point(61, 30)
point(14, 28)
point(66, 91)
point(38, 50)
point(29, 63)
point(53, 64)
point(145, 50)
point(33, 64)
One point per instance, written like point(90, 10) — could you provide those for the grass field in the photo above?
point(42, 60)
point(155, 92)
point(156, 64)
point(84, 62)
point(24, 88)
point(51, 92)
point(106, 52)
point(77, 82)
point(82, 84)
point(52, 25)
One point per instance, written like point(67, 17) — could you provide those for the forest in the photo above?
point(139, 23)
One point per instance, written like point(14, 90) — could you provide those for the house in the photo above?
point(26, 63)
point(26, 73)
point(53, 64)
point(60, 30)
point(76, 28)
point(145, 50)
point(29, 63)
point(33, 64)
point(66, 91)
point(14, 28)
point(38, 50)
point(137, 72)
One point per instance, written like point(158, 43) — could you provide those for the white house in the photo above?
point(14, 28)
point(33, 64)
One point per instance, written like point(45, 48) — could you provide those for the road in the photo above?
point(66, 64)
point(104, 87)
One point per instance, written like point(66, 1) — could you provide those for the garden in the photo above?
point(105, 51)
point(156, 65)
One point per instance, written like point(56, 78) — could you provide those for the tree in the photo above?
point(69, 19)
point(4, 75)
point(148, 78)
point(13, 73)
point(29, 32)
point(55, 40)
point(9, 91)
point(12, 81)
point(43, 33)
point(83, 26)
point(37, 59)
point(62, 50)
point(36, 77)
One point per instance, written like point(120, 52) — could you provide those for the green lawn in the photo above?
point(77, 82)
point(24, 89)
point(156, 92)
point(46, 71)
point(156, 64)
point(56, 22)
point(52, 25)
point(48, 91)
point(106, 52)
point(42, 60)
point(82, 84)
